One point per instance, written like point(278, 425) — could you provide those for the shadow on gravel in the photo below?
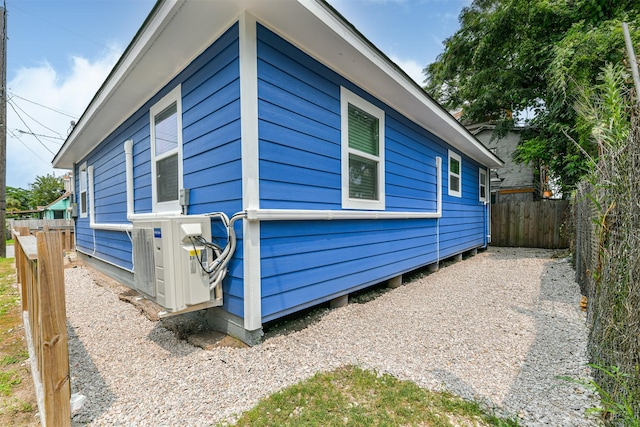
point(559, 349)
point(99, 397)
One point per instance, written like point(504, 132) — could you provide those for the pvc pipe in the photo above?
point(92, 213)
point(311, 215)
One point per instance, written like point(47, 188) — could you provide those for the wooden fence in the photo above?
point(63, 226)
point(539, 224)
point(40, 274)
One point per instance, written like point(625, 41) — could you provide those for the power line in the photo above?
point(41, 136)
point(14, 95)
point(11, 104)
point(13, 6)
point(28, 115)
point(13, 135)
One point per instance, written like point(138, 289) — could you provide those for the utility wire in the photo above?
point(13, 135)
point(11, 104)
point(28, 115)
point(41, 136)
point(14, 95)
point(13, 6)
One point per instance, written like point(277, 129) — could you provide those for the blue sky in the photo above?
point(59, 53)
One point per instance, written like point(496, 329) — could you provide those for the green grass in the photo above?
point(351, 396)
point(10, 242)
point(8, 380)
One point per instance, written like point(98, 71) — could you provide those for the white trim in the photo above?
point(454, 193)
point(92, 212)
point(250, 170)
point(483, 183)
point(347, 97)
point(175, 96)
point(83, 179)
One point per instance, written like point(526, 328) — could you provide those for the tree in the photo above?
point(18, 199)
point(46, 189)
point(515, 56)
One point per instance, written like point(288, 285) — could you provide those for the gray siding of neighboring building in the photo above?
point(518, 182)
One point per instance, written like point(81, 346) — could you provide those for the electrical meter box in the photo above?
point(169, 263)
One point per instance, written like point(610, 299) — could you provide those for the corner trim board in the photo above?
point(250, 169)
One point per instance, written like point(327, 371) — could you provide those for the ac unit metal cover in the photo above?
point(144, 278)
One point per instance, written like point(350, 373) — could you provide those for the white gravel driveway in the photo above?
point(498, 327)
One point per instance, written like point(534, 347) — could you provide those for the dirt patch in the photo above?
point(18, 406)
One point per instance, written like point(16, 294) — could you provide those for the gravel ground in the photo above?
point(499, 327)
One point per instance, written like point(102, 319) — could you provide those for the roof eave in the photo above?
point(318, 29)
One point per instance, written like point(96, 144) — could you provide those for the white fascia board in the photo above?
point(370, 69)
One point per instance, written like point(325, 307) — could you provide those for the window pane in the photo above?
point(166, 130)
point(454, 166)
point(483, 192)
point(167, 178)
point(454, 183)
point(83, 202)
point(363, 131)
point(363, 178)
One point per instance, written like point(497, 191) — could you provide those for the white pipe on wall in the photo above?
point(312, 215)
point(92, 211)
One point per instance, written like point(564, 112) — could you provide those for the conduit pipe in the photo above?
point(92, 212)
point(313, 215)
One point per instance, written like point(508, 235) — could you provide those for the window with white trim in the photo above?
point(166, 151)
point(483, 183)
point(455, 174)
point(362, 134)
point(83, 202)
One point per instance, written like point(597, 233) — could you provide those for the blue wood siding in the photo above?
point(211, 159)
point(308, 262)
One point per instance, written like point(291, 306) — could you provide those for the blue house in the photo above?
point(247, 159)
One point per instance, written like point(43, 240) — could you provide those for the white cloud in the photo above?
point(411, 67)
point(28, 156)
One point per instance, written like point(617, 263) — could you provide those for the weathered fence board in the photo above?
point(539, 224)
point(41, 275)
point(63, 226)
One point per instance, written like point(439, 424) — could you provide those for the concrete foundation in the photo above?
point(339, 302)
point(432, 268)
point(457, 258)
point(395, 282)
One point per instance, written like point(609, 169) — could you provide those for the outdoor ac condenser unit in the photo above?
point(168, 263)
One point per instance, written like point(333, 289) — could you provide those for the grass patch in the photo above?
point(10, 242)
point(17, 397)
point(8, 380)
point(350, 396)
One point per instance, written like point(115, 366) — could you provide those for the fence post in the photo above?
point(55, 354)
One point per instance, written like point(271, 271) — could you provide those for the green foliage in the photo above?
point(18, 199)
point(46, 189)
point(515, 56)
point(615, 409)
point(8, 380)
point(353, 397)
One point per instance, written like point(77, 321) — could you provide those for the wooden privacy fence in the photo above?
point(62, 226)
point(40, 274)
point(539, 224)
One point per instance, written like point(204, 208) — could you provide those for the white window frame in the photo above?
point(347, 97)
point(175, 96)
point(483, 183)
point(454, 156)
point(83, 188)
